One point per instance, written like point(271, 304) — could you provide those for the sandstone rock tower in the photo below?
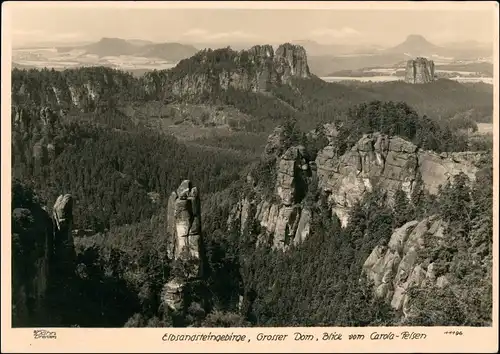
point(62, 216)
point(184, 227)
point(419, 71)
point(284, 219)
point(291, 61)
point(185, 221)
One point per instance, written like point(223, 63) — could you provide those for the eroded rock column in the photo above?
point(419, 71)
point(62, 216)
point(184, 227)
point(185, 221)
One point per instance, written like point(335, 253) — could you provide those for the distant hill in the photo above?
point(323, 63)
point(168, 51)
point(137, 47)
point(140, 41)
point(417, 45)
point(110, 46)
point(273, 214)
point(269, 85)
point(469, 45)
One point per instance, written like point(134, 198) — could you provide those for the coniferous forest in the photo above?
point(121, 144)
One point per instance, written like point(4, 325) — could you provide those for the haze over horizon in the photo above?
point(68, 24)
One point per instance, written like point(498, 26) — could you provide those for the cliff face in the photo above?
point(83, 88)
point(254, 70)
point(40, 126)
point(389, 162)
point(396, 267)
point(283, 216)
point(184, 226)
point(42, 258)
point(86, 89)
point(291, 61)
point(419, 71)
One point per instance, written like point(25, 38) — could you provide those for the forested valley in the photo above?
point(91, 133)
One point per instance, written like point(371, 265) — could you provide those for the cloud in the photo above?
point(20, 32)
point(37, 35)
point(234, 34)
point(72, 35)
point(195, 32)
point(201, 34)
point(332, 33)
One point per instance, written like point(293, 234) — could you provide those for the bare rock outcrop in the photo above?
point(184, 221)
point(395, 268)
point(291, 61)
point(389, 162)
point(172, 293)
point(184, 227)
point(39, 124)
point(375, 161)
point(291, 179)
point(255, 69)
point(276, 141)
point(284, 219)
point(64, 248)
point(43, 260)
point(419, 71)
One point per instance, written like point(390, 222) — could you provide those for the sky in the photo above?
point(65, 23)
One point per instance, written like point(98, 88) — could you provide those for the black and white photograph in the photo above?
point(208, 167)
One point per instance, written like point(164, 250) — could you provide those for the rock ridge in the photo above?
point(256, 69)
point(390, 163)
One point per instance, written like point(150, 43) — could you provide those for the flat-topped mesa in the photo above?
point(184, 221)
point(419, 71)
